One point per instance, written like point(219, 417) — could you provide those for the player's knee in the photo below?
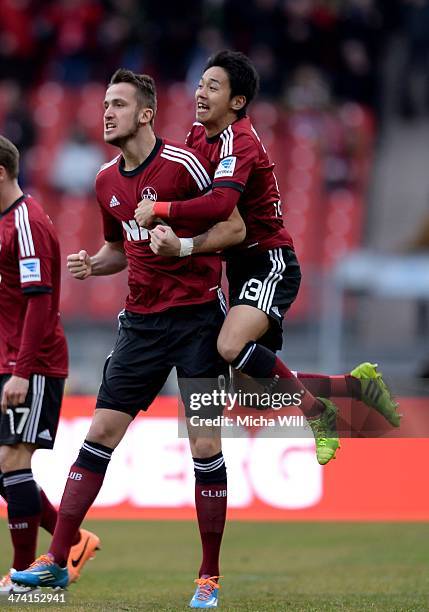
point(205, 447)
point(11, 459)
point(228, 349)
point(103, 433)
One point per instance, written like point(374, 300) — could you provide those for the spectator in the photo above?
point(18, 125)
point(76, 164)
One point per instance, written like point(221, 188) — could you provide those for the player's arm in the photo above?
point(229, 182)
point(36, 284)
point(215, 206)
point(110, 259)
point(222, 235)
point(35, 323)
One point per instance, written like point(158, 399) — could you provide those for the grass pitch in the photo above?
point(299, 567)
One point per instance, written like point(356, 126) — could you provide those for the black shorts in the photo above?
point(268, 281)
point(36, 420)
point(149, 346)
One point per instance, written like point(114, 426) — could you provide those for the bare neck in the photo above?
point(9, 193)
point(138, 149)
point(219, 126)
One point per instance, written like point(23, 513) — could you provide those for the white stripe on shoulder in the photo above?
point(227, 137)
point(230, 140)
point(108, 164)
point(28, 228)
point(22, 246)
point(194, 159)
point(25, 237)
point(190, 169)
point(222, 149)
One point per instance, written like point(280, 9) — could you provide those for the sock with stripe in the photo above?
point(258, 361)
point(48, 517)
point(24, 511)
point(210, 503)
point(84, 482)
point(344, 385)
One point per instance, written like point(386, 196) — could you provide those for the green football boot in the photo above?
point(325, 432)
point(375, 392)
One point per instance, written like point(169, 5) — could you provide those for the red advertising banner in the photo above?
point(151, 473)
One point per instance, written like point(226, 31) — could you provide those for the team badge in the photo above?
point(149, 193)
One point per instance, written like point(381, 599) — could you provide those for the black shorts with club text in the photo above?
point(149, 346)
point(267, 280)
point(36, 420)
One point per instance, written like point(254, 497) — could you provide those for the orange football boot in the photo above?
point(81, 552)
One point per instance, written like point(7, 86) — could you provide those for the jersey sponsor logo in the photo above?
point(29, 270)
point(149, 193)
point(114, 202)
point(45, 435)
point(134, 232)
point(226, 167)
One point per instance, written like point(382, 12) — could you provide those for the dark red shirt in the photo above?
point(172, 171)
point(30, 263)
point(242, 163)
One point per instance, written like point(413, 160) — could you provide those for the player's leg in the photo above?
point(364, 383)
point(23, 501)
point(199, 369)
point(238, 345)
point(23, 429)
point(133, 374)
point(48, 517)
point(262, 288)
point(86, 477)
point(210, 504)
point(82, 487)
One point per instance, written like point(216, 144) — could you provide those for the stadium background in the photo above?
point(343, 111)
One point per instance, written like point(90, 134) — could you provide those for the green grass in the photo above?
point(299, 567)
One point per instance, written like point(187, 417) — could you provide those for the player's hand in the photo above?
point(79, 265)
point(14, 392)
point(163, 241)
point(143, 214)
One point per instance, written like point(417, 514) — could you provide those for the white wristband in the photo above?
point(186, 246)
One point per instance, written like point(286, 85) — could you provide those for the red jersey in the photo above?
point(172, 171)
point(30, 263)
point(242, 163)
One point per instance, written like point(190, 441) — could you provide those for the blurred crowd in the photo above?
point(312, 56)
point(334, 43)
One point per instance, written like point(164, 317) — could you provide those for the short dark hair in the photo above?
point(144, 84)
point(242, 75)
point(9, 157)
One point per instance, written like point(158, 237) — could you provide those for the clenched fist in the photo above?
point(79, 265)
point(163, 241)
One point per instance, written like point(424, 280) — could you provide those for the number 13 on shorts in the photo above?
point(251, 290)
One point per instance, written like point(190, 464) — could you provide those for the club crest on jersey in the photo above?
point(149, 193)
point(29, 270)
point(226, 167)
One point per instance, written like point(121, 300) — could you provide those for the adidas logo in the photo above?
point(114, 202)
point(45, 435)
point(276, 311)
